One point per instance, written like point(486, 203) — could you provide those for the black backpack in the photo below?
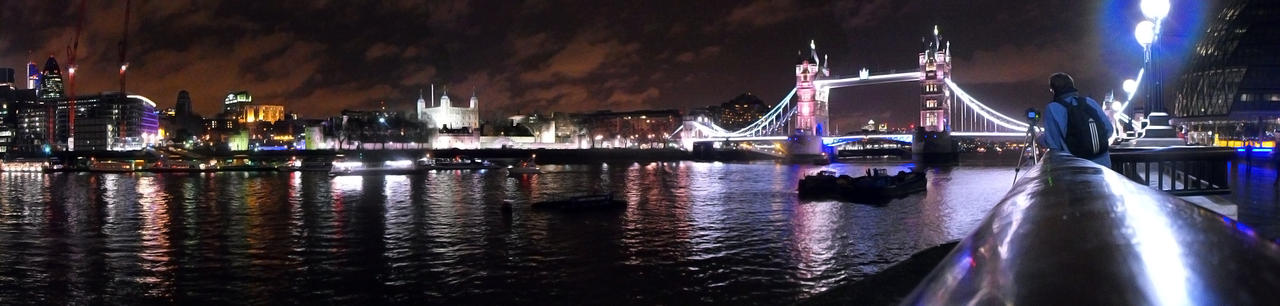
point(1086, 130)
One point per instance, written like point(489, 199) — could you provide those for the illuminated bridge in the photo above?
point(801, 116)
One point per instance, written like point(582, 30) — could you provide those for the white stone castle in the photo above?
point(444, 115)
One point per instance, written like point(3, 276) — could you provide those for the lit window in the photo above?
point(1246, 97)
point(1273, 98)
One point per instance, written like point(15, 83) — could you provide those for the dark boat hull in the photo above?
point(865, 189)
point(582, 204)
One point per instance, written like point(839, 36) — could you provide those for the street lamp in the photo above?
point(1155, 9)
point(1145, 33)
point(1130, 87)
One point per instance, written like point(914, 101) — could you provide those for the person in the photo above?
point(1075, 124)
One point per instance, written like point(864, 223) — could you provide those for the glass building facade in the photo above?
point(1231, 90)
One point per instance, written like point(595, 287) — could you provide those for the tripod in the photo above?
point(1030, 142)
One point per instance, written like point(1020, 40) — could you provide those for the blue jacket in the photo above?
point(1055, 125)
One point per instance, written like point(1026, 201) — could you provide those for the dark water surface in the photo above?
point(693, 233)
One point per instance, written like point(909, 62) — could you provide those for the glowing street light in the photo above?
point(1155, 9)
point(1145, 33)
point(1130, 86)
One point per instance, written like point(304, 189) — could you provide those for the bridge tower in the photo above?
point(805, 142)
point(932, 138)
point(935, 98)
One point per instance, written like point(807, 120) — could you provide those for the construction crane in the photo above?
point(124, 44)
point(71, 80)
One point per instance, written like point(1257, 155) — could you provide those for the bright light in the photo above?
point(1130, 86)
point(348, 164)
point(1145, 33)
point(1155, 9)
point(382, 120)
point(124, 67)
point(1115, 105)
point(71, 70)
point(398, 163)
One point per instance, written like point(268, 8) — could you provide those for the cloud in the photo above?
point(379, 50)
point(527, 46)
point(568, 97)
point(579, 58)
point(704, 53)
point(632, 100)
point(1012, 64)
point(330, 101)
point(862, 13)
point(418, 76)
point(761, 13)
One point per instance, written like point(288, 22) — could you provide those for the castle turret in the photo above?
point(444, 98)
point(474, 100)
point(422, 105)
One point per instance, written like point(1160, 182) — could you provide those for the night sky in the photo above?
point(319, 57)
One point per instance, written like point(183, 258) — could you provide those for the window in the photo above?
point(1274, 97)
point(1246, 97)
point(931, 103)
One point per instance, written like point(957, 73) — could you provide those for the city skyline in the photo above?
point(580, 59)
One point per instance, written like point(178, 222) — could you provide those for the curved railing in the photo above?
point(1075, 233)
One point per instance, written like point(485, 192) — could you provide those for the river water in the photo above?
point(693, 233)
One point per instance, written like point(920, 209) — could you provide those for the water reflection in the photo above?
point(693, 233)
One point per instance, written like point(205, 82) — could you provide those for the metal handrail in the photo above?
point(1182, 171)
point(1075, 233)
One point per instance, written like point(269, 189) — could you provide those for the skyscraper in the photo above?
point(33, 75)
point(182, 109)
point(236, 101)
point(51, 80)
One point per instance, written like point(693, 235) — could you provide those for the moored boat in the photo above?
point(524, 167)
point(457, 163)
point(172, 166)
point(587, 202)
point(397, 167)
point(110, 166)
point(877, 187)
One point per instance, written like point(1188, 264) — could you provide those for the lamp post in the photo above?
point(1146, 33)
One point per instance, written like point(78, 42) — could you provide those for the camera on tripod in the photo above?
point(1033, 116)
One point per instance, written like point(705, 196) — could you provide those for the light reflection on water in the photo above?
point(692, 233)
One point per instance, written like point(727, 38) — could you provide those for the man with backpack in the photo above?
point(1075, 124)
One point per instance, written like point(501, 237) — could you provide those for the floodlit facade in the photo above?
point(935, 98)
point(447, 116)
point(236, 101)
point(262, 113)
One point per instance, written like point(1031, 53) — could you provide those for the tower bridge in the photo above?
point(945, 110)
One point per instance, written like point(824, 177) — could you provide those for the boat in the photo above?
point(580, 203)
point(316, 164)
point(172, 166)
point(877, 187)
point(110, 166)
point(34, 166)
point(524, 167)
point(457, 163)
point(395, 167)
